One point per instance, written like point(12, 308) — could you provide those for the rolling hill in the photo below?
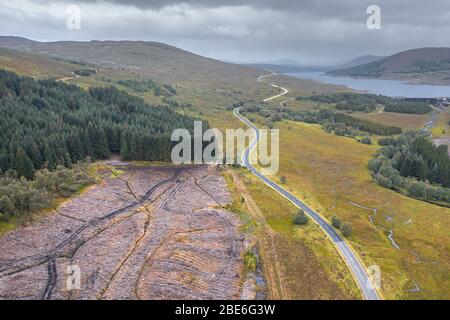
point(425, 65)
point(160, 61)
point(36, 66)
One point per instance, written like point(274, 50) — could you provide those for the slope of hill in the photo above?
point(36, 66)
point(158, 60)
point(425, 65)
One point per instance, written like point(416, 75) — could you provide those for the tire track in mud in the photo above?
point(164, 205)
point(69, 216)
point(51, 256)
point(141, 201)
point(51, 283)
point(138, 241)
point(173, 234)
point(203, 189)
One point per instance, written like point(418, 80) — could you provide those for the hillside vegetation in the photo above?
point(34, 65)
point(330, 174)
point(348, 101)
point(47, 123)
point(159, 61)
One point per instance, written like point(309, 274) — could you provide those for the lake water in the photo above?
point(391, 88)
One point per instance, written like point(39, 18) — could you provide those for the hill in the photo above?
point(160, 61)
point(425, 65)
point(35, 65)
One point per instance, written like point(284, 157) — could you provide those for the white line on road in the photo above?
point(349, 256)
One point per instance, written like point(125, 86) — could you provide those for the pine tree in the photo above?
point(23, 164)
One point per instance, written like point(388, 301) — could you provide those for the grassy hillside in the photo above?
point(36, 66)
point(157, 60)
point(431, 65)
point(298, 262)
point(330, 173)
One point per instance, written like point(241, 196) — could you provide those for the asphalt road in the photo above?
point(349, 256)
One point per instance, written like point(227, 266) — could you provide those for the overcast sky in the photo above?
point(310, 31)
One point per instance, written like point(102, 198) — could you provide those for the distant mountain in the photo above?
point(294, 66)
point(359, 61)
point(425, 65)
point(289, 68)
point(284, 62)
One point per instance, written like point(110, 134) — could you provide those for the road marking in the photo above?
point(349, 256)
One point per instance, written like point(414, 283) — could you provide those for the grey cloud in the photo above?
point(309, 30)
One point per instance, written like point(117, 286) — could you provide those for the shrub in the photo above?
point(20, 197)
point(336, 221)
point(283, 180)
point(382, 180)
point(417, 189)
point(301, 218)
point(366, 140)
point(250, 261)
point(346, 229)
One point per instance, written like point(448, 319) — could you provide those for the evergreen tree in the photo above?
point(23, 164)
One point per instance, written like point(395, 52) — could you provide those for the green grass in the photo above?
point(7, 226)
point(329, 172)
point(308, 259)
point(442, 126)
point(402, 120)
point(250, 261)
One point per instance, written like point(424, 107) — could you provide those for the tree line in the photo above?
point(19, 197)
point(412, 165)
point(365, 125)
point(408, 107)
point(348, 101)
point(335, 120)
point(47, 123)
point(331, 121)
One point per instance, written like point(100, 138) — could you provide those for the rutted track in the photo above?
point(58, 251)
point(114, 246)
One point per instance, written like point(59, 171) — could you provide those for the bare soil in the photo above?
point(150, 233)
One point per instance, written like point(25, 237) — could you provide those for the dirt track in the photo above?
point(152, 233)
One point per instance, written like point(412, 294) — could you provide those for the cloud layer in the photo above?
point(310, 31)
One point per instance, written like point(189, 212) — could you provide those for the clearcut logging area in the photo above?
point(146, 233)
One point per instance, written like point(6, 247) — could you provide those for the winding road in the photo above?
point(356, 266)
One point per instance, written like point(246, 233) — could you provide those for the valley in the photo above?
point(148, 230)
